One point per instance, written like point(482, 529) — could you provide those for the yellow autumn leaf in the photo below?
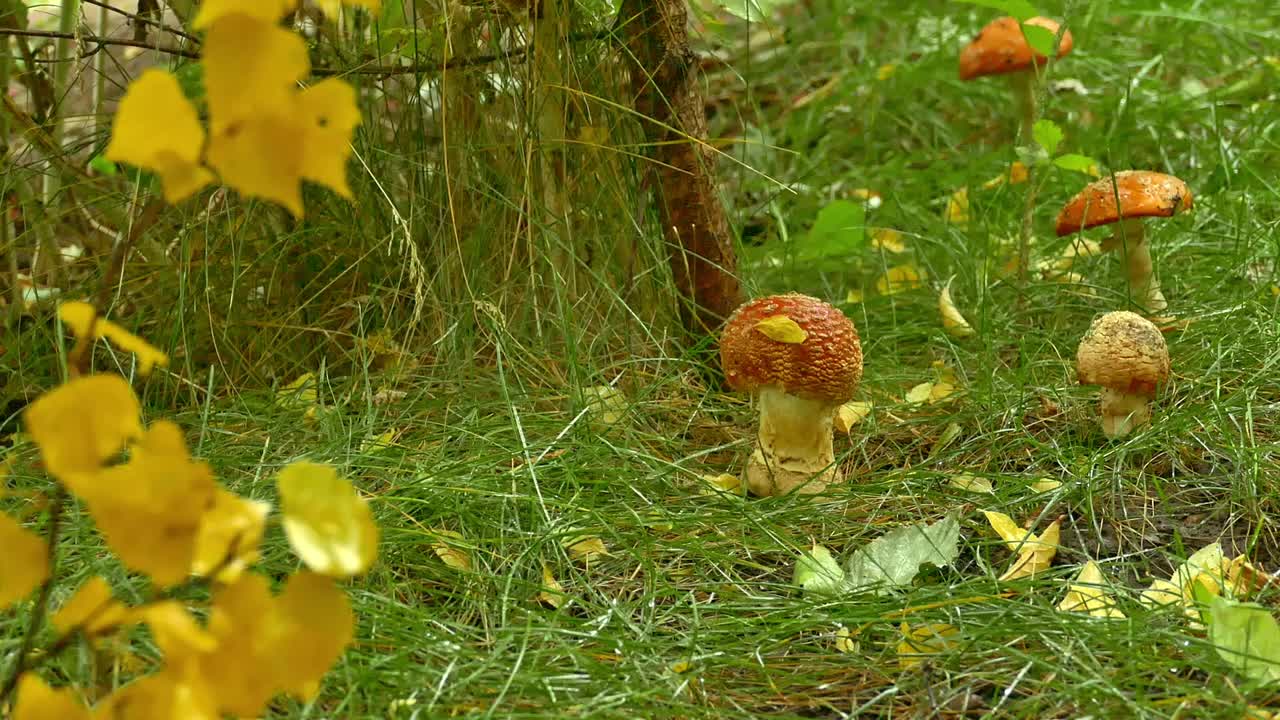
point(898, 279)
point(920, 393)
point(888, 239)
point(852, 413)
point(872, 198)
point(1018, 172)
point(584, 547)
point(1008, 530)
point(264, 12)
point(722, 483)
point(448, 547)
point(37, 701)
point(1036, 554)
point(1088, 594)
point(82, 423)
point(853, 296)
point(79, 316)
point(92, 610)
point(26, 561)
point(552, 594)
point(952, 321)
point(924, 641)
point(328, 114)
point(149, 509)
point(319, 625)
point(262, 158)
point(228, 538)
point(380, 442)
point(956, 211)
point(783, 329)
point(327, 523)
point(1045, 485)
point(846, 642)
point(156, 128)
point(175, 631)
point(972, 483)
point(177, 691)
point(884, 72)
point(330, 8)
point(606, 404)
point(251, 71)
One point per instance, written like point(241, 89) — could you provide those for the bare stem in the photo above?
point(1024, 92)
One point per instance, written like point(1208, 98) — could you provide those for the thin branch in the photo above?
point(99, 41)
point(135, 17)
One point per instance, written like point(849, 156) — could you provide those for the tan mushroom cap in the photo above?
point(1002, 48)
point(826, 366)
point(1124, 352)
point(1142, 193)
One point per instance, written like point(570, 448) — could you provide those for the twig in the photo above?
point(99, 41)
point(41, 607)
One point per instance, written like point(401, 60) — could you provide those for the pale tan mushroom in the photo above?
point(1125, 354)
point(799, 380)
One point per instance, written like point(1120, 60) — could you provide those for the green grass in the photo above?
point(693, 613)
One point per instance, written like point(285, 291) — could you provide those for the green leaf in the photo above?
point(838, 231)
point(1078, 163)
point(103, 166)
point(1047, 134)
point(893, 559)
point(1020, 9)
point(1247, 636)
point(818, 572)
point(1040, 39)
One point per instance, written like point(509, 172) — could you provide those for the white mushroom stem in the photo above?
point(1023, 84)
point(1122, 412)
point(1130, 240)
point(794, 449)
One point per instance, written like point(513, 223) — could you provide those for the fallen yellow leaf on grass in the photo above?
point(898, 279)
point(1209, 568)
point(884, 72)
point(1041, 486)
point(845, 641)
point(584, 547)
point(952, 321)
point(853, 296)
point(722, 483)
point(783, 329)
point(972, 483)
point(957, 210)
point(446, 547)
point(79, 316)
point(922, 642)
point(1035, 552)
point(606, 404)
point(851, 413)
point(552, 594)
point(930, 392)
point(888, 239)
point(1088, 594)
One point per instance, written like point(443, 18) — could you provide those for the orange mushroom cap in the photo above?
point(825, 366)
point(1001, 48)
point(1141, 193)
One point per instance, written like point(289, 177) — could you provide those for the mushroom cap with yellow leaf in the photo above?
point(1001, 48)
point(795, 343)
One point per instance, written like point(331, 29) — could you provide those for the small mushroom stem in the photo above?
point(1130, 239)
point(795, 446)
point(1123, 412)
point(1024, 94)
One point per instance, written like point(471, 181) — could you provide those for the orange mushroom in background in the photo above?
point(802, 359)
point(1126, 198)
point(1002, 49)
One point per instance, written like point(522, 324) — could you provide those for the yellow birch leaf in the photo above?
point(1017, 173)
point(957, 210)
point(380, 442)
point(177, 691)
point(884, 72)
point(898, 279)
point(37, 701)
point(230, 531)
point(92, 609)
point(722, 483)
point(319, 625)
point(452, 556)
point(328, 524)
point(972, 483)
point(852, 413)
point(265, 12)
point(584, 547)
point(1008, 530)
point(783, 329)
point(149, 509)
point(888, 239)
point(82, 423)
point(607, 404)
point(243, 670)
point(853, 296)
point(26, 561)
point(1036, 554)
point(1045, 485)
point(176, 632)
point(80, 315)
point(940, 391)
point(1088, 594)
point(157, 128)
point(552, 594)
point(924, 641)
point(845, 641)
point(920, 393)
point(262, 157)
point(952, 321)
point(251, 71)
point(328, 113)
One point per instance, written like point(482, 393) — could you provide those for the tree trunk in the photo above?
point(667, 95)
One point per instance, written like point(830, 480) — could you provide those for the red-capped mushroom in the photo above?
point(801, 357)
point(1126, 198)
point(1001, 49)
